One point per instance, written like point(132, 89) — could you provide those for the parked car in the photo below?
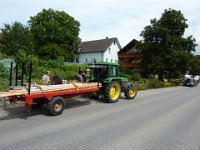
point(190, 82)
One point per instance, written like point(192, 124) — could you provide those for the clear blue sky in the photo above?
point(124, 19)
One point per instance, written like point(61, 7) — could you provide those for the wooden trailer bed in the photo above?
point(40, 89)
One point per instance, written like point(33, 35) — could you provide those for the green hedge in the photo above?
point(145, 84)
point(176, 82)
point(66, 72)
point(154, 83)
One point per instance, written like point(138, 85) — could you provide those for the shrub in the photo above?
point(4, 85)
point(167, 84)
point(3, 77)
point(142, 87)
point(136, 76)
point(154, 83)
point(176, 82)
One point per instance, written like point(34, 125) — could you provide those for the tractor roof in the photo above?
point(107, 63)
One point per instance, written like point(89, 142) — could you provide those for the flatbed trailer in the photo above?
point(52, 95)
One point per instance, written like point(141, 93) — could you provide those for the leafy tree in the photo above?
point(15, 37)
point(194, 67)
point(55, 34)
point(2, 56)
point(58, 63)
point(166, 51)
point(3, 77)
point(3, 72)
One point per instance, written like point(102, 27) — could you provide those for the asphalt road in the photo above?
point(160, 119)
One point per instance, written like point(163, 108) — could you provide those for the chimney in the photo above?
point(107, 37)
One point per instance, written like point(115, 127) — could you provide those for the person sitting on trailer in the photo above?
point(45, 78)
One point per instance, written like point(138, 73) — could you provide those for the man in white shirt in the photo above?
point(45, 78)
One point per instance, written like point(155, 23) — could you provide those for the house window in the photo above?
point(86, 60)
point(116, 61)
point(106, 59)
point(95, 60)
point(109, 51)
point(114, 42)
point(77, 61)
point(111, 60)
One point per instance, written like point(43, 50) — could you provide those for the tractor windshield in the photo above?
point(101, 72)
point(114, 71)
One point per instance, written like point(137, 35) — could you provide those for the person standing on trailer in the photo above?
point(86, 74)
point(45, 78)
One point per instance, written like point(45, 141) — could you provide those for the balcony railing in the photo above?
point(133, 55)
point(131, 65)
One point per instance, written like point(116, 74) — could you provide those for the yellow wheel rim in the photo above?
point(132, 92)
point(114, 92)
point(58, 107)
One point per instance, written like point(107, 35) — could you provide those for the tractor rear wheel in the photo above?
point(56, 80)
point(130, 91)
point(78, 78)
point(112, 92)
point(56, 106)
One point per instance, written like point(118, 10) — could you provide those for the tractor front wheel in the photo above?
point(112, 92)
point(130, 91)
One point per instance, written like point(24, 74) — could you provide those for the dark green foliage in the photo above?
point(3, 72)
point(166, 51)
point(194, 67)
point(136, 76)
point(55, 34)
point(154, 83)
point(130, 74)
point(67, 72)
point(142, 87)
point(58, 63)
point(15, 37)
point(3, 77)
point(2, 55)
point(176, 82)
point(56, 67)
point(151, 83)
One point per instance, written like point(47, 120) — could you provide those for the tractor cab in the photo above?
point(101, 71)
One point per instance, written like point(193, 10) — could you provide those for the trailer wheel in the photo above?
point(112, 92)
point(56, 106)
point(130, 91)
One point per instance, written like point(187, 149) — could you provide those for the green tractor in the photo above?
point(112, 85)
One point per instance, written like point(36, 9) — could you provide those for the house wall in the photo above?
point(131, 58)
point(111, 54)
point(89, 57)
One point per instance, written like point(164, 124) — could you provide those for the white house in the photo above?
point(98, 50)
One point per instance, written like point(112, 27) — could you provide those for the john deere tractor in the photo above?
point(112, 84)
